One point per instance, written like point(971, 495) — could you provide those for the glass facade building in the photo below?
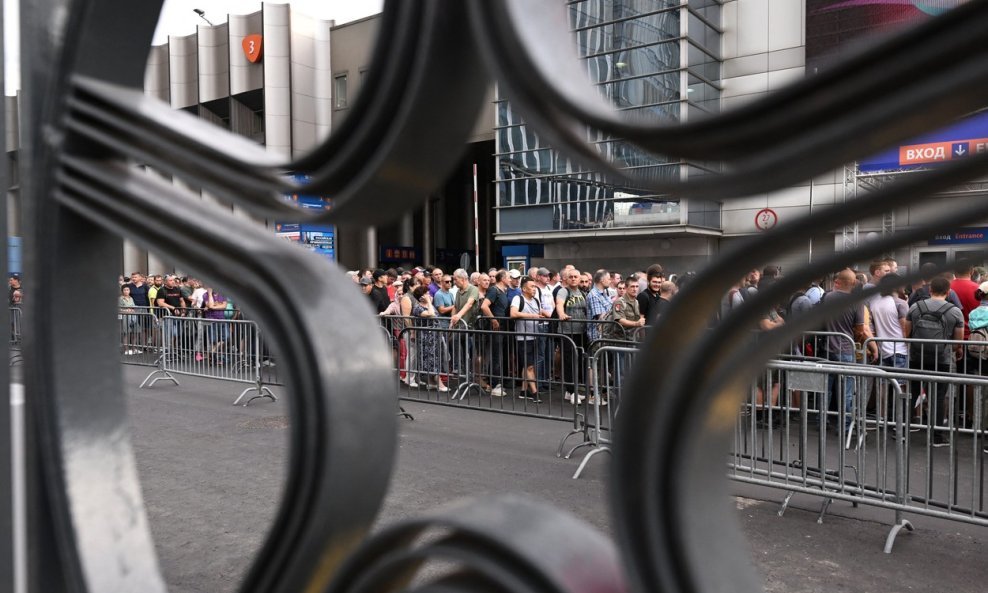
point(655, 60)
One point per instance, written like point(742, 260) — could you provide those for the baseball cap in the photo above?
point(378, 273)
point(366, 281)
point(514, 273)
point(543, 272)
point(983, 287)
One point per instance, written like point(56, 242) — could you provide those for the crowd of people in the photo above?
point(146, 298)
point(937, 324)
point(585, 308)
point(589, 307)
point(514, 309)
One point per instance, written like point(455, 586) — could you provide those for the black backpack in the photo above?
point(930, 326)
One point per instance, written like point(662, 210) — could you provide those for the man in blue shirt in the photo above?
point(443, 299)
point(598, 302)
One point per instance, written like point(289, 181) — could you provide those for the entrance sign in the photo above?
point(961, 236)
point(967, 137)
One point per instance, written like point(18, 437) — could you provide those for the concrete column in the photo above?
point(277, 79)
point(214, 62)
point(370, 247)
point(427, 249)
point(406, 232)
point(156, 76)
point(183, 75)
point(135, 259)
point(244, 75)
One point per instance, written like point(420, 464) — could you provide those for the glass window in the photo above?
point(340, 91)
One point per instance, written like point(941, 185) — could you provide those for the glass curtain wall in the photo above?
point(655, 60)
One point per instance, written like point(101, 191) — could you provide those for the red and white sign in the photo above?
point(766, 219)
point(938, 152)
point(252, 48)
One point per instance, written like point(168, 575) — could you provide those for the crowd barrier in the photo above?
point(870, 450)
point(908, 434)
point(16, 318)
point(529, 373)
point(224, 349)
point(609, 366)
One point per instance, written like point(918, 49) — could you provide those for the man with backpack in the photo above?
point(934, 318)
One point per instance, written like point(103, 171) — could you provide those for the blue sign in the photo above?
point(966, 137)
point(961, 237)
point(320, 238)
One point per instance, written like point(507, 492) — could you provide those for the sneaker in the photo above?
point(568, 397)
point(497, 391)
point(533, 397)
point(442, 388)
point(940, 439)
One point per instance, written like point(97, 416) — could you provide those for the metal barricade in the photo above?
point(526, 373)
point(225, 349)
point(590, 329)
point(816, 345)
point(609, 367)
point(935, 358)
point(16, 318)
point(789, 443)
point(140, 336)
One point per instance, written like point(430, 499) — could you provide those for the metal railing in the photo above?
point(224, 349)
point(527, 373)
point(609, 367)
point(16, 337)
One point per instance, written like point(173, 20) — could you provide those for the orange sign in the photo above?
point(252, 48)
point(933, 152)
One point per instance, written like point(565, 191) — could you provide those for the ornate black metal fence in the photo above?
point(87, 124)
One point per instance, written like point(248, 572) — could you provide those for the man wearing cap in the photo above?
point(514, 280)
point(545, 347)
point(366, 285)
point(379, 292)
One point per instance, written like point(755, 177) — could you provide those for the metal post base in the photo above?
point(463, 389)
point(402, 413)
point(890, 540)
point(823, 510)
point(166, 376)
point(582, 430)
point(261, 392)
point(586, 459)
point(785, 503)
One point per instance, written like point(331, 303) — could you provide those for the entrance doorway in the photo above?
point(942, 256)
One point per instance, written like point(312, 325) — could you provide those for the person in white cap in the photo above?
point(514, 280)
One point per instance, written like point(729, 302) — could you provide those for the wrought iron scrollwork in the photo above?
point(87, 124)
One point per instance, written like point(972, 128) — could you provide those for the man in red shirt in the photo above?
point(965, 287)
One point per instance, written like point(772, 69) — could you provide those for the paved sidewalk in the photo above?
point(211, 475)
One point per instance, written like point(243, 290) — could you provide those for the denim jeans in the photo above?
point(848, 386)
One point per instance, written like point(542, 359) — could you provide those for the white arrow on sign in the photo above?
point(959, 151)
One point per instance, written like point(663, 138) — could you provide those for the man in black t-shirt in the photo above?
point(495, 308)
point(379, 294)
point(169, 299)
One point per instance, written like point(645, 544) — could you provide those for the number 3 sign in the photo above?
point(252, 48)
point(765, 219)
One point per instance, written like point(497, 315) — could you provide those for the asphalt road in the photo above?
point(212, 472)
